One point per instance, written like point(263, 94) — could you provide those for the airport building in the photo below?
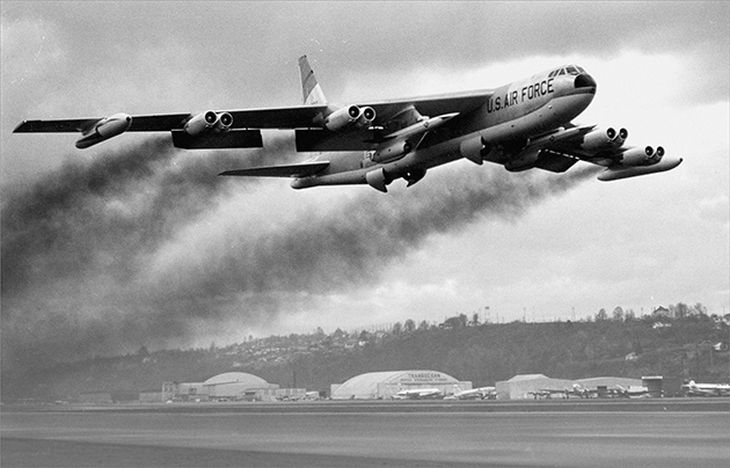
point(529, 386)
point(229, 386)
point(384, 385)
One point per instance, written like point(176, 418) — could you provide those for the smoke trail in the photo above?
point(311, 249)
point(147, 245)
point(123, 202)
point(72, 242)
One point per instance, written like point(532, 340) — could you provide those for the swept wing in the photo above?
point(310, 122)
point(561, 149)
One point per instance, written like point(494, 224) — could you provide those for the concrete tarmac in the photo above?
point(357, 434)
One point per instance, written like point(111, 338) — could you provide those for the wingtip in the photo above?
point(18, 128)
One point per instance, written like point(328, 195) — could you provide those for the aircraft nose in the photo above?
point(584, 80)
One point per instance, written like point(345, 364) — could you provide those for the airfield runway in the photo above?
point(647, 433)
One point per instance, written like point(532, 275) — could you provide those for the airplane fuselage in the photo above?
point(509, 117)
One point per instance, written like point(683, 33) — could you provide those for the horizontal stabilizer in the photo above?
point(222, 140)
point(287, 170)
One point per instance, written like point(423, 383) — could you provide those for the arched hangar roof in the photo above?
point(366, 385)
point(249, 380)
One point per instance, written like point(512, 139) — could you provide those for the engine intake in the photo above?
point(598, 138)
point(343, 117)
point(208, 120)
point(641, 157)
point(225, 120)
point(367, 115)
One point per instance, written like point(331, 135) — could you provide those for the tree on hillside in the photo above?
point(679, 311)
point(699, 309)
point(455, 322)
point(475, 320)
point(423, 326)
point(601, 315)
point(618, 314)
point(397, 328)
point(409, 326)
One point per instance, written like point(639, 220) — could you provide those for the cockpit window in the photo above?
point(562, 71)
point(580, 69)
point(552, 73)
point(571, 70)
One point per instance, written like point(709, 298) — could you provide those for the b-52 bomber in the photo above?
point(522, 125)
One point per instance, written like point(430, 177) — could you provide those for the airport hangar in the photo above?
point(229, 386)
point(522, 386)
point(384, 385)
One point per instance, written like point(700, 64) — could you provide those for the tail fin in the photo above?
point(310, 88)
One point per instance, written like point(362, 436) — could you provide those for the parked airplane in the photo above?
point(522, 125)
point(418, 394)
point(706, 389)
point(575, 390)
point(481, 393)
point(630, 392)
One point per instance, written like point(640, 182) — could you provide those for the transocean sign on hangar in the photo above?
point(384, 385)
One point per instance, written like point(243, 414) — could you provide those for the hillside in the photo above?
point(482, 353)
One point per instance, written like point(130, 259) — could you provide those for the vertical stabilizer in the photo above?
point(311, 90)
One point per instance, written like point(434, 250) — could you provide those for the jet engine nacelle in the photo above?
point(642, 156)
point(390, 151)
point(367, 115)
point(105, 129)
point(598, 139)
point(343, 117)
point(208, 121)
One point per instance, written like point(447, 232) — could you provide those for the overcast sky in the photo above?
point(133, 242)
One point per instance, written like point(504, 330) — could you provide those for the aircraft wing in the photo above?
point(560, 150)
point(287, 170)
point(55, 126)
point(208, 129)
point(274, 117)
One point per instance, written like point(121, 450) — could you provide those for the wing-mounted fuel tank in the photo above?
point(104, 129)
point(639, 161)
